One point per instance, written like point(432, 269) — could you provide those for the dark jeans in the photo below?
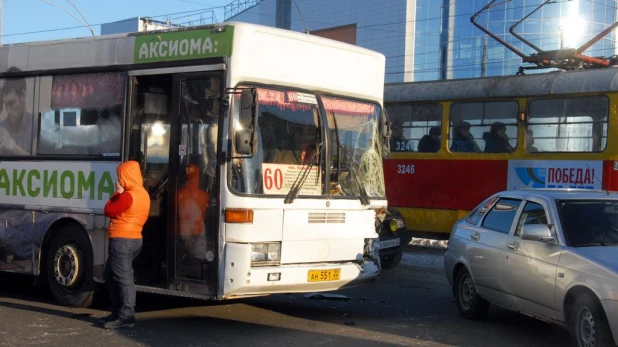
point(118, 275)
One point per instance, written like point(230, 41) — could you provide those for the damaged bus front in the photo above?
point(310, 165)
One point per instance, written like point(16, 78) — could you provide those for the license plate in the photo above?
point(389, 243)
point(323, 275)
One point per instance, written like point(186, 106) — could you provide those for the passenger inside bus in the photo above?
point(496, 140)
point(463, 141)
point(192, 205)
point(430, 142)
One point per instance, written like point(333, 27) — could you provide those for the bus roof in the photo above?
point(259, 54)
point(551, 83)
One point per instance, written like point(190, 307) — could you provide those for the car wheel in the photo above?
point(69, 267)
point(388, 262)
point(588, 323)
point(469, 303)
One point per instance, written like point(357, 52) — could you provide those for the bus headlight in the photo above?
point(265, 253)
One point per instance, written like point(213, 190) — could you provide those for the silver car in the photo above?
point(549, 254)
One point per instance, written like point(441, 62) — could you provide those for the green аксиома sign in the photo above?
point(183, 45)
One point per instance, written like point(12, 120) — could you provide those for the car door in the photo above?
point(530, 266)
point(487, 248)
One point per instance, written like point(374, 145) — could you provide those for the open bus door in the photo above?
point(173, 135)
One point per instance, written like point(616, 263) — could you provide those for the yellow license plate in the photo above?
point(323, 275)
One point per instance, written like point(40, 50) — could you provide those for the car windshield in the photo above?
point(589, 222)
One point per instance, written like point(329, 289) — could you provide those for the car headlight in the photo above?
point(265, 253)
point(396, 224)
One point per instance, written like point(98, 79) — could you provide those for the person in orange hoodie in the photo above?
point(128, 210)
point(192, 205)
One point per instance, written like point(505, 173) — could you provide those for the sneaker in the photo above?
point(110, 318)
point(120, 323)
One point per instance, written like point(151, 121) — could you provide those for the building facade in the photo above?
point(429, 40)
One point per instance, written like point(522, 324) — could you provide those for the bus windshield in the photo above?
point(288, 135)
point(290, 145)
point(356, 162)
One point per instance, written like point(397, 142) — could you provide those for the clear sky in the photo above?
point(37, 20)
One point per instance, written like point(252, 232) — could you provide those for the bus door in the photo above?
point(174, 132)
point(196, 184)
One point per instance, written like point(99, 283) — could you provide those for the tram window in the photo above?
point(81, 114)
point(489, 127)
point(568, 124)
point(415, 127)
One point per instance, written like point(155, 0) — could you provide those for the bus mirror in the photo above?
point(386, 134)
point(243, 142)
point(248, 108)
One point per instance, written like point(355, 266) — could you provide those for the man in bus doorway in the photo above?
point(128, 210)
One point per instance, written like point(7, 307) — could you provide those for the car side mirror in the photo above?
point(537, 232)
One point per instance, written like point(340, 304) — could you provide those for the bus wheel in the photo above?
point(388, 262)
point(69, 271)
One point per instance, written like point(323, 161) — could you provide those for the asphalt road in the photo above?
point(408, 306)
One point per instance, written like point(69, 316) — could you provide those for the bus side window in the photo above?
point(569, 124)
point(81, 114)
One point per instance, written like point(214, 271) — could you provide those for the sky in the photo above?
point(38, 20)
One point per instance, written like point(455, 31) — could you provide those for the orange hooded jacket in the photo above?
point(128, 219)
point(192, 204)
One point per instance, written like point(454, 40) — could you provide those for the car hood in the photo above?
point(602, 258)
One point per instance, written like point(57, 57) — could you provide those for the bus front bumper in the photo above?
point(297, 278)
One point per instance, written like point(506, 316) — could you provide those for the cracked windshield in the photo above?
point(288, 140)
point(356, 161)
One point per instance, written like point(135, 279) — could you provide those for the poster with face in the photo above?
point(16, 96)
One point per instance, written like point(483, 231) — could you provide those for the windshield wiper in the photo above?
point(364, 197)
point(303, 174)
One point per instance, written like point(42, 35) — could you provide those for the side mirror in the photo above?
point(242, 142)
point(536, 232)
point(248, 108)
point(385, 132)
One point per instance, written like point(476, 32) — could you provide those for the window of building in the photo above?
point(568, 124)
point(81, 114)
point(489, 127)
point(502, 215)
point(415, 127)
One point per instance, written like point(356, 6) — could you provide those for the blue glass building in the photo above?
point(435, 39)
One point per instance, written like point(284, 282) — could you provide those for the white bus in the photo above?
point(261, 149)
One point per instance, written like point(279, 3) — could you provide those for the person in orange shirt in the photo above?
point(192, 205)
point(128, 210)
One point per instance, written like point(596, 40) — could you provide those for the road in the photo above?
point(410, 305)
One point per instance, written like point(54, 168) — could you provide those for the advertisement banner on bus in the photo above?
point(77, 185)
point(578, 174)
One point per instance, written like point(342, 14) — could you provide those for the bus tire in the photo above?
point(69, 267)
point(388, 262)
